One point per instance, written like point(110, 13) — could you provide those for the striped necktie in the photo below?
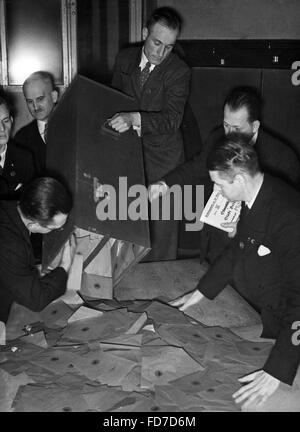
point(45, 132)
point(144, 74)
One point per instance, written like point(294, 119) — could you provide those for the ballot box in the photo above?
point(104, 171)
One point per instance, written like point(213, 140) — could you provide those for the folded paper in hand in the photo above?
point(219, 210)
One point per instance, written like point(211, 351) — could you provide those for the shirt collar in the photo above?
point(249, 204)
point(254, 138)
point(144, 60)
point(41, 127)
point(3, 156)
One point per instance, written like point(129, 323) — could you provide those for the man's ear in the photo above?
point(11, 119)
point(145, 33)
point(31, 225)
point(239, 178)
point(54, 95)
point(256, 125)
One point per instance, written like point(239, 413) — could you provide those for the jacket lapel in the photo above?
point(254, 225)
point(154, 77)
point(9, 166)
point(133, 71)
point(157, 73)
point(13, 214)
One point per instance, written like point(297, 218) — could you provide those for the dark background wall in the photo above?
point(226, 42)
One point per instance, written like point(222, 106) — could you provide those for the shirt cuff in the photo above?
point(136, 122)
point(164, 185)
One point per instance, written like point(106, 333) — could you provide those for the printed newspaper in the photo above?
point(219, 210)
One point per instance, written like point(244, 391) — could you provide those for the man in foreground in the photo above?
point(43, 207)
point(261, 261)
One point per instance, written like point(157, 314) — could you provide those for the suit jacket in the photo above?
point(275, 157)
point(18, 169)
point(19, 278)
point(278, 158)
point(263, 263)
point(161, 104)
point(30, 138)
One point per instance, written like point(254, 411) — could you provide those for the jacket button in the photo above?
point(241, 245)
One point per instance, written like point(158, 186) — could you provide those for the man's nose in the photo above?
point(229, 129)
point(35, 105)
point(2, 126)
point(161, 51)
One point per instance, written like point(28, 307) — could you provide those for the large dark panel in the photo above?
point(282, 105)
point(85, 156)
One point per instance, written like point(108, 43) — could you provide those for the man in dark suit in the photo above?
point(242, 114)
point(159, 82)
point(261, 261)
point(44, 206)
point(16, 164)
point(41, 97)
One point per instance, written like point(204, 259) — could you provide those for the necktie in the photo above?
point(245, 210)
point(1, 169)
point(144, 75)
point(45, 132)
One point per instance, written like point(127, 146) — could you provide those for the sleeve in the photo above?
point(23, 282)
point(176, 91)
point(293, 170)
point(188, 173)
point(219, 274)
point(194, 171)
point(284, 358)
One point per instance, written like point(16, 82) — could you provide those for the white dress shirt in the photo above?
point(41, 127)
point(3, 156)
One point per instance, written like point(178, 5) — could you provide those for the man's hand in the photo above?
point(68, 253)
point(157, 189)
point(187, 300)
point(232, 226)
point(261, 386)
point(121, 122)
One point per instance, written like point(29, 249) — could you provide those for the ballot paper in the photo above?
point(219, 210)
point(84, 313)
point(74, 282)
point(2, 333)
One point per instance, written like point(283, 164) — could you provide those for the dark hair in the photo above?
point(245, 97)
point(5, 103)
point(233, 154)
point(167, 16)
point(44, 198)
point(43, 75)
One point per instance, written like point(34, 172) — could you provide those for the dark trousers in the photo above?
point(163, 235)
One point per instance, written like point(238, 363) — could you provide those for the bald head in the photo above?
point(40, 95)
